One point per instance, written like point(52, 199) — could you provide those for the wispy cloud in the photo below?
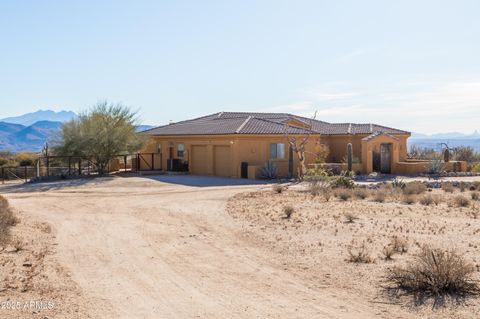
point(420, 107)
point(351, 55)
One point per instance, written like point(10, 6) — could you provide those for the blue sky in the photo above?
point(408, 64)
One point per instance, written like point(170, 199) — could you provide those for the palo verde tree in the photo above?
point(99, 134)
point(298, 143)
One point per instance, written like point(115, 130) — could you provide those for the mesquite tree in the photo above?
point(99, 134)
point(298, 144)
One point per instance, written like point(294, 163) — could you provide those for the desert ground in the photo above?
point(194, 247)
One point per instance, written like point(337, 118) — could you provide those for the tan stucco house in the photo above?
point(237, 144)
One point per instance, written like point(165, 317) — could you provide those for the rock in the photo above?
point(27, 264)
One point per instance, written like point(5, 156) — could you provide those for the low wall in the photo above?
point(421, 166)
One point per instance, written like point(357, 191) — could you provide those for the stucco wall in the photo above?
point(254, 149)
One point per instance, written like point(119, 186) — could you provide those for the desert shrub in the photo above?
point(327, 193)
point(359, 255)
point(25, 159)
point(345, 179)
point(400, 245)
point(461, 201)
point(435, 166)
point(278, 188)
point(476, 184)
point(288, 211)
point(475, 195)
point(343, 194)
point(427, 200)
point(409, 199)
point(361, 193)
point(476, 168)
point(269, 170)
point(424, 153)
point(462, 186)
point(448, 187)
point(414, 188)
point(434, 273)
point(388, 251)
point(7, 220)
point(466, 153)
point(350, 217)
point(380, 196)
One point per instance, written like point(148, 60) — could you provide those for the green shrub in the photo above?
point(345, 179)
point(269, 171)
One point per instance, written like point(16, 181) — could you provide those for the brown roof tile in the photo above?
point(263, 123)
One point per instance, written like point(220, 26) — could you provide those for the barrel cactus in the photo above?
point(350, 156)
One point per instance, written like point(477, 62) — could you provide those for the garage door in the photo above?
point(223, 161)
point(198, 161)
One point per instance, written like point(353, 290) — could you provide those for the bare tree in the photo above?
point(298, 144)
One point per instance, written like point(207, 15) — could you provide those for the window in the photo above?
point(180, 150)
point(277, 151)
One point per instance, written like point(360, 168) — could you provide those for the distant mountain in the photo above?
point(141, 128)
point(449, 135)
point(41, 115)
point(21, 138)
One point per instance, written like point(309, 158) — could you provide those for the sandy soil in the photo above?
point(140, 248)
point(314, 242)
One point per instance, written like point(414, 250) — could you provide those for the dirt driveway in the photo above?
point(165, 248)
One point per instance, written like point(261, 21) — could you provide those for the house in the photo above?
point(238, 144)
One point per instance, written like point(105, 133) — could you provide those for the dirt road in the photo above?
point(144, 248)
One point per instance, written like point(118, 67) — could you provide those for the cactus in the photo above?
point(350, 156)
point(446, 155)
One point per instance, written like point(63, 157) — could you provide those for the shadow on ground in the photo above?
point(204, 181)
point(52, 185)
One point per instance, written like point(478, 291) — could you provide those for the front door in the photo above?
point(385, 158)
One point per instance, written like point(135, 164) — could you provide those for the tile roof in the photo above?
point(264, 123)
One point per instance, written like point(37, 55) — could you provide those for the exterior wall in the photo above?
point(255, 150)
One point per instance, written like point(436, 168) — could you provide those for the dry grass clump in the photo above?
point(350, 217)
point(7, 220)
point(359, 255)
point(400, 245)
point(278, 188)
point(434, 273)
point(388, 251)
point(360, 193)
point(427, 200)
point(448, 187)
point(380, 196)
point(327, 193)
point(288, 211)
point(475, 195)
point(343, 194)
point(409, 199)
point(461, 201)
point(414, 188)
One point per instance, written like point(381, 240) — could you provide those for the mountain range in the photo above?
point(29, 132)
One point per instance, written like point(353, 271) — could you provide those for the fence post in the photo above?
point(48, 165)
point(153, 162)
point(125, 162)
point(80, 167)
point(69, 166)
point(25, 172)
point(138, 161)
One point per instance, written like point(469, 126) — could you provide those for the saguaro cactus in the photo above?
point(350, 156)
point(446, 155)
